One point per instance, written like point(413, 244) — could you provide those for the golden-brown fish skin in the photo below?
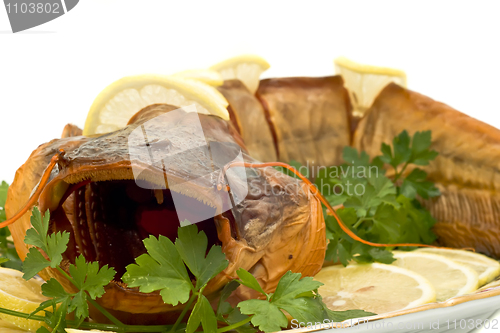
point(25, 180)
point(71, 130)
point(310, 118)
point(467, 169)
point(249, 118)
point(277, 227)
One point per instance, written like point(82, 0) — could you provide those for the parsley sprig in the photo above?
point(407, 151)
point(379, 207)
point(88, 278)
point(165, 267)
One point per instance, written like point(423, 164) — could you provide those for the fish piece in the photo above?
point(310, 118)
point(249, 118)
point(467, 169)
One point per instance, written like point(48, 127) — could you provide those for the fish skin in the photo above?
point(467, 169)
point(310, 117)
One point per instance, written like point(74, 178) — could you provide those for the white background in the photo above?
point(49, 75)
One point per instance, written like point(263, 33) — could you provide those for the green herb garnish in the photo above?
point(379, 208)
point(88, 278)
point(165, 267)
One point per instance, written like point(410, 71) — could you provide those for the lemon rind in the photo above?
point(245, 58)
point(471, 285)
point(208, 76)
point(493, 266)
point(189, 88)
point(369, 69)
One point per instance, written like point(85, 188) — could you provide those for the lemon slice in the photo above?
point(493, 284)
point(20, 295)
point(448, 277)
point(486, 268)
point(376, 288)
point(6, 327)
point(246, 68)
point(364, 82)
point(207, 76)
point(119, 101)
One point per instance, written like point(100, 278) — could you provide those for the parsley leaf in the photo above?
point(296, 296)
point(235, 316)
point(291, 286)
point(192, 247)
point(267, 316)
point(34, 263)
point(37, 235)
point(226, 313)
point(352, 157)
point(415, 150)
point(419, 223)
point(52, 288)
point(416, 183)
point(421, 154)
point(88, 278)
point(224, 307)
point(161, 268)
point(249, 280)
point(91, 278)
point(42, 329)
point(375, 207)
point(79, 304)
point(204, 314)
point(53, 245)
point(401, 152)
point(303, 309)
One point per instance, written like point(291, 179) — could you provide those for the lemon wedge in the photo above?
point(207, 76)
point(376, 288)
point(246, 68)
point(364, 82)
point(486, 268)
point(20, 295)
point(119, 101)
point(448, 277)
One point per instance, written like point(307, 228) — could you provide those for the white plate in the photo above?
point(466, 313)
